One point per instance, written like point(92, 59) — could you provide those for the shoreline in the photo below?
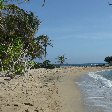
point(96, 89)
point(45, 91)
point(70, 91)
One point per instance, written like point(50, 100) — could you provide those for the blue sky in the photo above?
point(79, 29)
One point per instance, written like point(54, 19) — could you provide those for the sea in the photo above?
point(85, 64)
point(96, 87)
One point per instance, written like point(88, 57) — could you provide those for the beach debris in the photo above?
point(2, 83)
point(28, 104)
point(8, 105)
point(15, 104)
point(27, 110)
point(7, 78)
point(36, 110)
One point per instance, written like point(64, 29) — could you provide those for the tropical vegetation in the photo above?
point(19, 45)
point(61, 59)
point(45, 42)
point(108, 59)
point(46, 64)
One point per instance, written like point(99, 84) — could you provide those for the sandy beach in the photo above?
point(71, 97)
point(44, 91)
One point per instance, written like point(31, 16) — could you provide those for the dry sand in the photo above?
point(44, 91)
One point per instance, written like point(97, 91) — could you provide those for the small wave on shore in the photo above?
point(97, 90)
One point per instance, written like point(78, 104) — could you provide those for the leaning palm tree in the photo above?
point(44, 41)
point(61, 59)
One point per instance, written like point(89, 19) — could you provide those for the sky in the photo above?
point(79, 29)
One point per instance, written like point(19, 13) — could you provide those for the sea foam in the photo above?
point(100, 78)
point(97, 90)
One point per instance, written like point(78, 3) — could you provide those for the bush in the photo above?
point(46, 64)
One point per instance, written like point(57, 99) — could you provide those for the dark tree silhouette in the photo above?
point(108, 59)
point(61, 59)
point(44, 41)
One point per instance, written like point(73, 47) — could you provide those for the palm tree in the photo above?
point(44, 41)
point(61, 59)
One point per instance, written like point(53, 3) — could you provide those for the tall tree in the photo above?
point(18, 23)
point(17, 38)
point(44, 41)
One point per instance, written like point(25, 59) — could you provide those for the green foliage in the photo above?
point(1, 4)
point(18, 45)
point(16, 23)
point(61, 59)
point(44, 41)
point(36, 65)
point(108, 59)
point(11, 57)
point(46, 64)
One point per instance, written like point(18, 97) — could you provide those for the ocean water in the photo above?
point(97, 90)
point(85, 64)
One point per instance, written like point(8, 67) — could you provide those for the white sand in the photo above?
point(44, 91)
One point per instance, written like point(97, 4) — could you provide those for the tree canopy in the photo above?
point(61, 59)
point(108, 59)
point(44, 41)
point(18, 45)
